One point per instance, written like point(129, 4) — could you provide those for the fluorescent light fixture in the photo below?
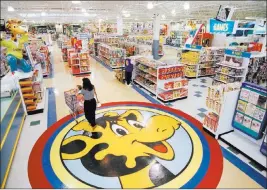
point(136, 19)
point(83, 10)
point(81, 21)
point(76, 2)
point(24, 20)
point(100, 20)
point(173, 12)
point(150, 5)
point(127, 15)
point(124, 12)
point(163, 16)
point(33, 21)
point(86, 14)
point(186, 6)
point(10, 9)
point(43, 13)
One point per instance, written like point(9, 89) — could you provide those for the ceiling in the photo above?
point(67, 12)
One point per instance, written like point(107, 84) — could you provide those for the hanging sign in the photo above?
point(190, 46)
point(216, 26)
point(225, 13)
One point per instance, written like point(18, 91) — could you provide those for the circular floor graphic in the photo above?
point(134, 145)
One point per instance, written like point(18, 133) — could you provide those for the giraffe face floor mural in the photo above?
point(134, 145)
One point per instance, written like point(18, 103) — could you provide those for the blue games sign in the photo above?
point(221, 27)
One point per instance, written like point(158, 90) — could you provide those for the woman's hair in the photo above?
point(87, 85)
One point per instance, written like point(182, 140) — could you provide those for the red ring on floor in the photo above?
point(213, 175)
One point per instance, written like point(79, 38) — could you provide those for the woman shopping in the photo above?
point(128, 71)
point(88, 91)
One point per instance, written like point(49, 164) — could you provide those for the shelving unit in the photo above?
point(32, 90)
point(112, 56)
point(233, 68)
point(166, 81)
point(220, 104)
point(80, 63)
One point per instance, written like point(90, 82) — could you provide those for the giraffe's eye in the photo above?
point(136, 124)
point(119, 130)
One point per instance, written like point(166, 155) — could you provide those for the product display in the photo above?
point(233, 68)
point(250, 115)
point(4, 65)
point(164, 80)
point(221, 104)
point(80, 63)
point(112, 56)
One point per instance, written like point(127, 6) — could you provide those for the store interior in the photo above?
point(182, 90)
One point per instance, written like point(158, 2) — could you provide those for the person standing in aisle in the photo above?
point(88, 91)
point(128, 71)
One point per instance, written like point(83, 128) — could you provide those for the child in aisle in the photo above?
point(88, 91)
point(128, 71)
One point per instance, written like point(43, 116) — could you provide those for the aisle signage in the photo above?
point(216, 26)
point(197, 47)
point(237, 53)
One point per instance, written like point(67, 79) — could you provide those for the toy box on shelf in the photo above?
point(4, 65)
point(80, 63)
point(69, 52)
point(46, 66)
point(164, 80)
point(191, 58)
point(208, 59)
point(32, 90)
point(233, 68)
point(249, 122)
point(220, 103)
point(177, 38)
point(112, 56)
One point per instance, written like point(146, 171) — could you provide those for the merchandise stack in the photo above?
point(177, 38)
point(208, 59)
point(80, 63)
point(190, 59)
point(220, 102)
point(4, 65)
point(233, 68)
point(32, 90)
point(111, 56)
point(166, 81)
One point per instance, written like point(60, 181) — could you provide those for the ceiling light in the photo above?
point(43, 13)
point(86, 14)
point(186, 6)
point(81, 21)
point(173, 12)
point(127, 15)
point(135, 19)
point(163, 16)
point(150, 5)
point(24, 20)
point(124, 12)
point(76, 2)
point(100, 20)
point(83, 10)
point(33, 21)
point(10, 9)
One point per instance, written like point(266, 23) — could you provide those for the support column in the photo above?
point(156, 30)
point(119, 26)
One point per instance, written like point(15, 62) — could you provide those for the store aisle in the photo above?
point(108, 88)
point(110, 91)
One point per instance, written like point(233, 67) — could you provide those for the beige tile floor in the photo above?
point(111, 90)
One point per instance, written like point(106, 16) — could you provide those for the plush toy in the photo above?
point(15, 47)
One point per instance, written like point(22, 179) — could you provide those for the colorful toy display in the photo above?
point(220, 103)
point(257, 71)
point(14, 51)
point(111, 56)
point(164, 80)
point(250, 114)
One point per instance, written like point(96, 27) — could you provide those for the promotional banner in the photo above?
point(216, 26)
point(225, 13)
